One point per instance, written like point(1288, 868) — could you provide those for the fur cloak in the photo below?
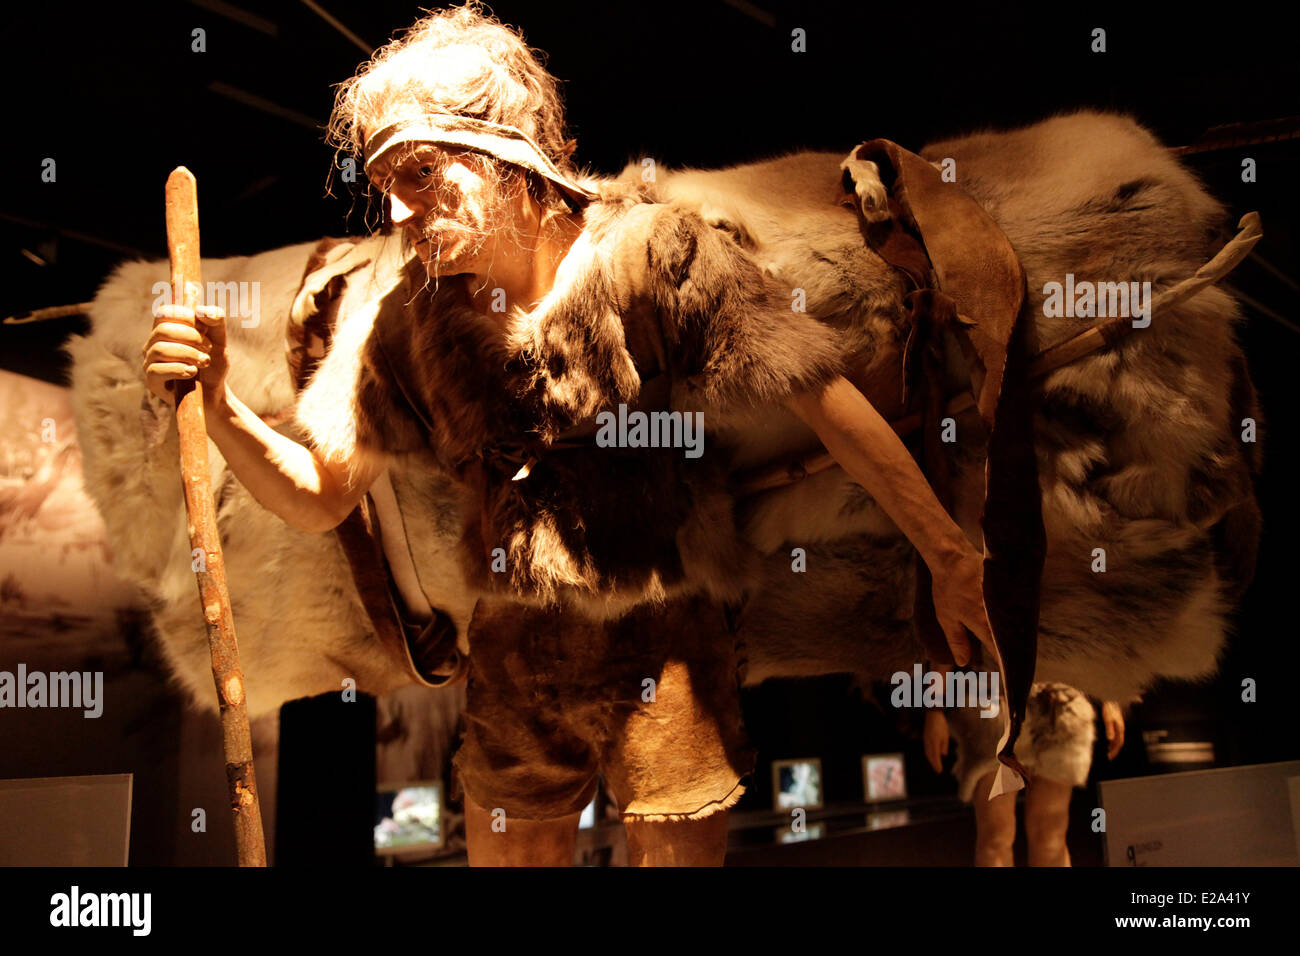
point(1142, 448)
point(1139, 446)
point(647, 291)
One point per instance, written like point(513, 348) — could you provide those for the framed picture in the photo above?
point(408, 818)
point(797, 783)
point(883, 778)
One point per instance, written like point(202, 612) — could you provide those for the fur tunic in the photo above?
point(647, 290)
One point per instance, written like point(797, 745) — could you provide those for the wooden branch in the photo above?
point(237, 744)
point(53, 312)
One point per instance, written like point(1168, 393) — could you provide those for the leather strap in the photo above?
point(968, 278)
point(426, 645)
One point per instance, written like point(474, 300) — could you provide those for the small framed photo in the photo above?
point(883, 778)
point(408, 818)
point(797, 783)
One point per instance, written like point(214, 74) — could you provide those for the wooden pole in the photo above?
point(205, 542)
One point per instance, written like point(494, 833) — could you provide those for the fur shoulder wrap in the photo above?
point(610, 518)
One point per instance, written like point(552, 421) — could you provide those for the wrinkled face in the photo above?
point(451, 204)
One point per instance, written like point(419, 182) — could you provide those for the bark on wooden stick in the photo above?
point(237, 743)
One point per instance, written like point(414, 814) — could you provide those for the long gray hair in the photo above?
point(459, 60)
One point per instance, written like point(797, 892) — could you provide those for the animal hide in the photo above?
point(647, 291)
point(1137, 445)
point(301, 627)
point(1055, 741)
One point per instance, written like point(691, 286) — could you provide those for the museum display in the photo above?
point(834, 482)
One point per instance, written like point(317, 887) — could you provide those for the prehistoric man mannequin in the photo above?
point(1055, 747)
point(604, 292)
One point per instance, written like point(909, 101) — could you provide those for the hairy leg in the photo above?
point(678, 843)
point(522, 842)
point(1047, 817)
point(995, 825)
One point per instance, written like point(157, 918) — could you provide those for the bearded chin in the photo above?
point(444, 251)
point(449, 248)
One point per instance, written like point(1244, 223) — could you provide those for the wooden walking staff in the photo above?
point(237, 743)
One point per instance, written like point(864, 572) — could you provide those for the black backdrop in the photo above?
point(113, 92)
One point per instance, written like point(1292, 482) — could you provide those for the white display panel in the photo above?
point(1234, 816)
point(65, 821)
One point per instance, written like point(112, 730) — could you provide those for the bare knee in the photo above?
point(994, 842)
point(1047, 820)
point(995, 825)
point(1046, 828)
point(494, 839)
point(678, 842)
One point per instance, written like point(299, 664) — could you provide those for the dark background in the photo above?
point(115, 95)
point(113, 92)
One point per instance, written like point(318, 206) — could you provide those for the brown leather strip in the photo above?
point(975, 267)
point(929, 313)
point(356, 535)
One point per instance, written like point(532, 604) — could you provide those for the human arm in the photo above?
point(936, 737)
point(936, 733)
point(865, 445)
point(287, 477)
point(1112, 717)
point(284, 476)
point(747, 347)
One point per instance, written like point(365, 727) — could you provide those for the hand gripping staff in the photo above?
point(237, 744)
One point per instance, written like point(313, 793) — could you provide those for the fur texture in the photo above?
point(1055, 742)
point(647, 290)
point(300, 623)
point(1137, 446)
